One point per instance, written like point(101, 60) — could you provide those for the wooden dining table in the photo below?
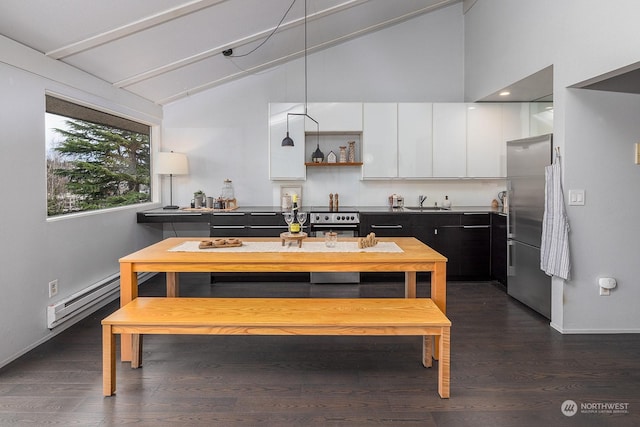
point(413, 257)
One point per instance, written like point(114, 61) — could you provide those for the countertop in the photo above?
point(427, 210)
point(361, 209)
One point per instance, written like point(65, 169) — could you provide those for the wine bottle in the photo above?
point(294, 227)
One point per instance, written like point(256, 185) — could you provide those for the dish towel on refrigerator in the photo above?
point(554, 248)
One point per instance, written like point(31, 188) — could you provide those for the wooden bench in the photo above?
point(277, 316)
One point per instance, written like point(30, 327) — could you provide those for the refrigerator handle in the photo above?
point(510, 213)
point(511, 268)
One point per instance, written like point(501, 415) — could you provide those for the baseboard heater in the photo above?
point(78, 303)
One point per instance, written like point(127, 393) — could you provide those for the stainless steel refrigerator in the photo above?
point(526, 160)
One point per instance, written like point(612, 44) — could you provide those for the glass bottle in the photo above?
point(227, 190)
point(294, 227)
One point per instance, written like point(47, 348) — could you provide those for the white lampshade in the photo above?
point(171, 164)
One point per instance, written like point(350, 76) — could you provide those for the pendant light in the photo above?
point(288, 141)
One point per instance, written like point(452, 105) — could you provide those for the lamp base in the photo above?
point(171, 207)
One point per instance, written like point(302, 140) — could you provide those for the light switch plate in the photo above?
point(638, 153)
point(576, 197)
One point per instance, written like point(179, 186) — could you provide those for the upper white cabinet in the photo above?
point(407, 140)
point(286, 163)
point(415, 140)
point(486, 147)
point(449, 140)
point(380, 140)
point(335, 116)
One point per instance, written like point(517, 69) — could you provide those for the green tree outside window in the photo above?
point(97, 166)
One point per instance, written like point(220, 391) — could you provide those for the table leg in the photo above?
point(108, 361)
point(444, 364)
point(439, 295)
point(128, 292)
point(439, 285)
point(410, 284)
point(173, 284)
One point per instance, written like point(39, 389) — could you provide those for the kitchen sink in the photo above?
point(425, 208)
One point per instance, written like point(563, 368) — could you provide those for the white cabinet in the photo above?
point(286, 163)
point(406, 140)
point(380, 140)
point(415, 140)
point(449, 140)
point(486, 147)
point(335, 116)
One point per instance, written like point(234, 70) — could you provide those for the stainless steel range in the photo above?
point(345, 222)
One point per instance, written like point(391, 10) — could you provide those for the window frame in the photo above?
point(72, 108)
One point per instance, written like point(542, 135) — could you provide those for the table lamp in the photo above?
point(171, 164)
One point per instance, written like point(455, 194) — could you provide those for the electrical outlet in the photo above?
point(53, 288)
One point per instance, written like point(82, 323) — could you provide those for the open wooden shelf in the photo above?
point(332, 164)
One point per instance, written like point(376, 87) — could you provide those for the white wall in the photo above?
point(225, 130)
point(603, 128)
point(77, 251)
point(507, 40)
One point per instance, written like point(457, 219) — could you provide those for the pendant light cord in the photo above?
point(274, 30)
point(305, 57)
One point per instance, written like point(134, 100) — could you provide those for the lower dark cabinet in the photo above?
point(386, 225)
point(464, 238)
point(228, 224)
point(252, 224)
point(266, 224)
point(475, 243)
point(475, 252)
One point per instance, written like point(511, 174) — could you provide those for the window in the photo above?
point(95, 160)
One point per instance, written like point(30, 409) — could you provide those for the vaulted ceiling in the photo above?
point(164, 50)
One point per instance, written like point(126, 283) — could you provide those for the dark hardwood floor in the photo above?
point(509, 368)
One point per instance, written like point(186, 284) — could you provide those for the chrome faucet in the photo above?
point(421, 199)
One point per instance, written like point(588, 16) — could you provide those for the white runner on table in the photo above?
point(192, 246)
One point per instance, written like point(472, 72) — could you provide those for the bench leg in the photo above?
point(108, 361)
point(427, 351)
point(444, 363)
point(136, 351)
